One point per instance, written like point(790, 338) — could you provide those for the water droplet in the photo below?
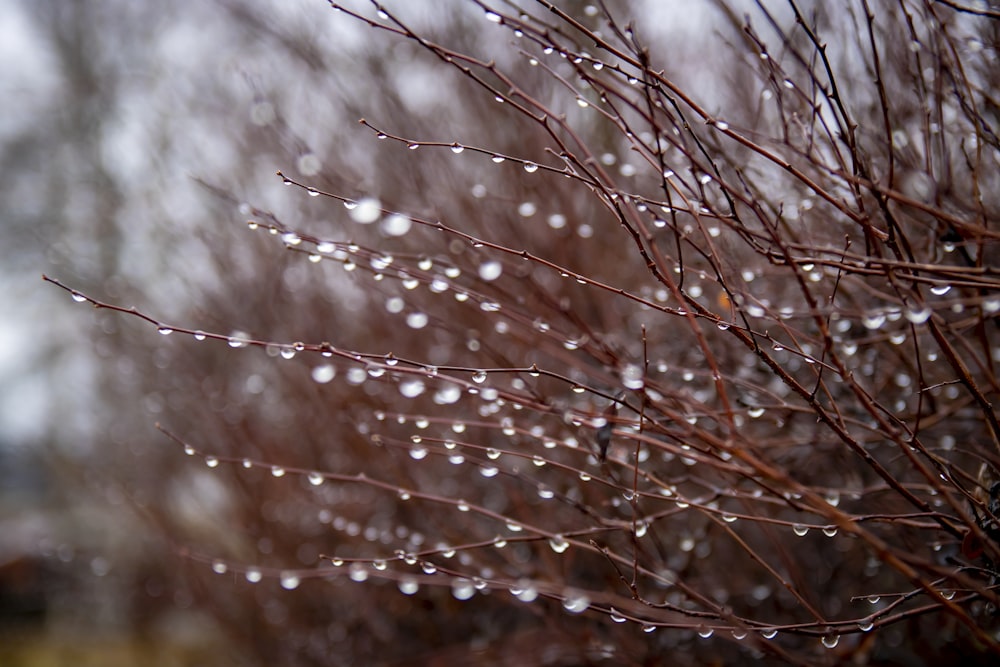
point(575, 602)
point(830, 531)
point(873, 320)
point(530, 167)
point(490, 270)
point(558, 544)
point(940, 290)
point(417, 320)
point(800, 530)
point(632, 376)
point(316, 478)
point(918, 316)
point(408, 585)
point(165, 331)
point(866, 626)
point(831, 641)
point(525, 593)
point(418, 453)
point(212, 461)
point(705, 633)
point(479, 377)
point(189, 450)
point(448, 393)
point(323, 373)
point(412, 388)
point(537, 460)
point(365, 211)
point(457, 148)
point(396, 225)
point(493, 17)
point(253, 575)
point(755, 413)
point(991, 305)
point(462, 589)
point(616, 617)
point(290, 581)
point(769, 634)
point(277, 471)
point(238, 339)
point(873, 599)
point(358, 572)
point(219, 567)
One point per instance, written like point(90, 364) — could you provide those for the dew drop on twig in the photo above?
point(575, 602)
point(558, 544)
point(462, 589)
point(290, 580)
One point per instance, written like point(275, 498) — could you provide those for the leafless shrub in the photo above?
point(590, 356)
